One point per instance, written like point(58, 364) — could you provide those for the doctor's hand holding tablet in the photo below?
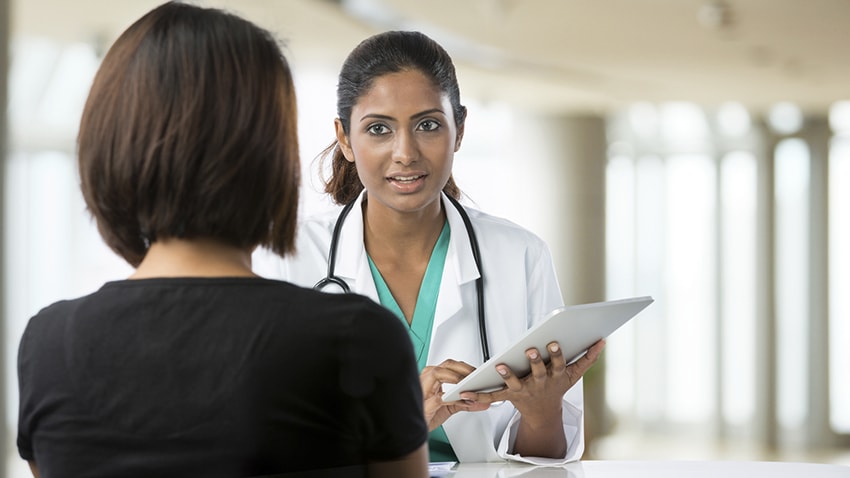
point(573, 336)
point(537, 395)
point(528, 374)
point(462, 281)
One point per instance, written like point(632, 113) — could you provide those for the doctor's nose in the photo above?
point(405, 149)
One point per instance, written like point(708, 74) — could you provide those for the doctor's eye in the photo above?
point(429, 125)
point(377, 129)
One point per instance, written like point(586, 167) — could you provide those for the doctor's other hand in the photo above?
point(432, 379)
point(541, 391)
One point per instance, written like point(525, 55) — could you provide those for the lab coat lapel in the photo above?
point(351, 262)
point(458, 270)
point(470, 434)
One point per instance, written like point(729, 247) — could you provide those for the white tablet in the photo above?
point(574, 327)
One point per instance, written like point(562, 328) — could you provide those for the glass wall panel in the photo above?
point(839, 284)
point(738, 286)
point(620, 276)
point(691, 272)
point(792, 160)
point(650, 330)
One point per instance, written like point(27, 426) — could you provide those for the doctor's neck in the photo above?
point(384, 227)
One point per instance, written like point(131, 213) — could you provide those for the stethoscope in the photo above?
point(332, 279)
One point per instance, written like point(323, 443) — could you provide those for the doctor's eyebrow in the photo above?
point(413, 116)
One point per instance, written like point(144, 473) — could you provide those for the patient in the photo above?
point(195, 366)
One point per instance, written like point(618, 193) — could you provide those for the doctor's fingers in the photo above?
point(578, 368)
point(538, 366)
point(436, 412)
point(513, 385)
point(456, 366)
point(557, 362)
point(433, 376)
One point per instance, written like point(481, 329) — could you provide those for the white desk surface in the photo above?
point(653, 469)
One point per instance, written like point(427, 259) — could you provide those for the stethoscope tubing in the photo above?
point(479, 282)
point(331, 279)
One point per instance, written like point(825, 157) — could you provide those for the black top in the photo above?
point(215, 377)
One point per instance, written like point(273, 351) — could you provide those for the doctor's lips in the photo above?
point(406, 179)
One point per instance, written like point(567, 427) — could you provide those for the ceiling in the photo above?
point(551, 55)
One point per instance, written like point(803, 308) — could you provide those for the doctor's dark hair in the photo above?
point(189, 131)
point(381, 54)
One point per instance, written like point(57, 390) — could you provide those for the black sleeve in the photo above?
point(42, 377)
point(25, 395)
point(379, 369)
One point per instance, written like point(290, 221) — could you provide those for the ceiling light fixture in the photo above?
point(715, 15)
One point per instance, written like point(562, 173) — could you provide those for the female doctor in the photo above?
point(403, 241)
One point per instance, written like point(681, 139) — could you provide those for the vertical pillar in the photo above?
point(568, 156)
point(580, 167)
point(5, 24)
point(718, 423)
point(562, 161)
point(578, 164)
point(816, 133)
point(765, 425)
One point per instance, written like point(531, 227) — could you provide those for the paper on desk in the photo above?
point(440, 468)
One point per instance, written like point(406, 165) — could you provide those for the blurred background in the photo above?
point(694, 150)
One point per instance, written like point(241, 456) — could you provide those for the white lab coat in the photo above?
point(520, 288)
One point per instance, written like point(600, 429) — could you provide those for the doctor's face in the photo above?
point(402, 140)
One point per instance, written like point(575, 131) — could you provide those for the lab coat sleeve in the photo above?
point(572, 418)
point(545, 295)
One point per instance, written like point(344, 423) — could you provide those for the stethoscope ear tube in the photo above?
point(330, 278)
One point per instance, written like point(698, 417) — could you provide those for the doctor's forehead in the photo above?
point(401, 95)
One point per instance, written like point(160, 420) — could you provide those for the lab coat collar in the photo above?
point(459, 268)
point(460, 251)
point(352, 264)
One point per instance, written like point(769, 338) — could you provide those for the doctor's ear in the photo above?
point(461, 120)
point(459, 137)
point(342, 140)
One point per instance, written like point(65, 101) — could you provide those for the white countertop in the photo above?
point(653, 469)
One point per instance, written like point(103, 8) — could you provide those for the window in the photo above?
point(839, 268)
point(686, 219)
point(792, 308)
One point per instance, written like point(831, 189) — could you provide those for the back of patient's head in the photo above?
point(189, 131)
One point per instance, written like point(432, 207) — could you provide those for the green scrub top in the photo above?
point(423, 321)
